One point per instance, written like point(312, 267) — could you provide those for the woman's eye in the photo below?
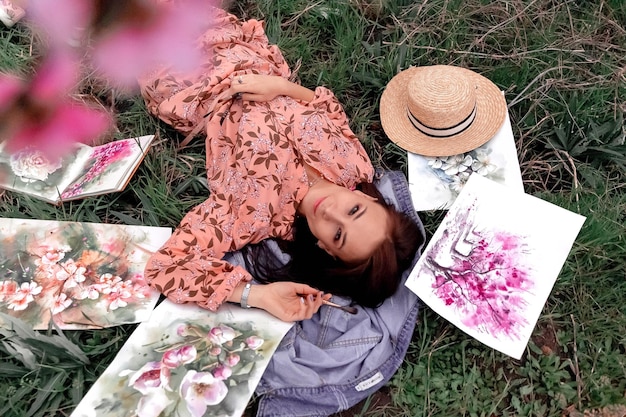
point(338, 234)
point(354, 210)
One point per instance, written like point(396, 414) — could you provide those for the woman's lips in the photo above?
point(317, 204)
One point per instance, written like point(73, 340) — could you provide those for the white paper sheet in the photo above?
point(490, 266)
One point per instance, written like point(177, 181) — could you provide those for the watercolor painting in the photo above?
point(108, 166)
point(435, 182)
point(34, 173)
point(491, 265)
point(83, 172)
point(78, 275)
point(189, 362)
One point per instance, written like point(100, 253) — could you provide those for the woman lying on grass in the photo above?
point(282, 163)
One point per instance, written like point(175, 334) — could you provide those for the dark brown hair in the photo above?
point(368, 283)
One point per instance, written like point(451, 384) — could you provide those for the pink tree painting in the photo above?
point(481, 274)
point(491, 264)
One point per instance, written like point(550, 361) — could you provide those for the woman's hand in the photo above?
point(259, 87)
point(289, 301)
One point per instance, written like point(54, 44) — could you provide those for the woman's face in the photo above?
point(349, 225)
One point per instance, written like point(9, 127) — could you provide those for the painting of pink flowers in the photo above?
point(103, 162)
point(435, 182)
point(78, 275)
point(186, 361)
point(490, 266)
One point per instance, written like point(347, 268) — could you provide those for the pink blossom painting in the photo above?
point(188, 362)
point(78, 275)
point(490, 266)
point(102, 162)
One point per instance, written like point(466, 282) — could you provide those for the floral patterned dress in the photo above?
point(255, 156)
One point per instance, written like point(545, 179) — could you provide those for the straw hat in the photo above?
point(441, 110)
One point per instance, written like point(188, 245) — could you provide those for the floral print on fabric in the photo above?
point(255, 156)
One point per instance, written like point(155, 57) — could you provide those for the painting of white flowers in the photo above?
point(435, 182)
point(490, 266)
point(188, 362)
point(78, 275)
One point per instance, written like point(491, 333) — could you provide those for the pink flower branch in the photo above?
point(119, 40)
point(479, 274)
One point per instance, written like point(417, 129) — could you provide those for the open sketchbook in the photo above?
point(491, 264)
point(188, 362)
point(77, 275)
point(84, 171)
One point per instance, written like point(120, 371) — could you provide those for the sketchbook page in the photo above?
point(436, 182)
point(108, 167)
point(79, 275)
point(34, 173)
point(189, 362)
point(491, 265)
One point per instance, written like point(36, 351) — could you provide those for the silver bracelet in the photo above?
point(244, 296)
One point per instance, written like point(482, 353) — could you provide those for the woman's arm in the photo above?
point(289, 301)
point(185, 274)
point(188, 269)
point(258, 87)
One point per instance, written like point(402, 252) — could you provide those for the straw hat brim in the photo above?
point(490, 113)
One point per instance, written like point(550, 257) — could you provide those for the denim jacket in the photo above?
point(334, 360)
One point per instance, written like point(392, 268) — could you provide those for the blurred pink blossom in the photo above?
point(153, 34)
point(126, 39)
point(10, 87)
point(40, 114)
point(68, 124)
point(57, 77)
point(60, 21)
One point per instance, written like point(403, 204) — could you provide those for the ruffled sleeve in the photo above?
point(188, 268)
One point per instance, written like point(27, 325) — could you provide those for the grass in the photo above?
point(562, 66)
